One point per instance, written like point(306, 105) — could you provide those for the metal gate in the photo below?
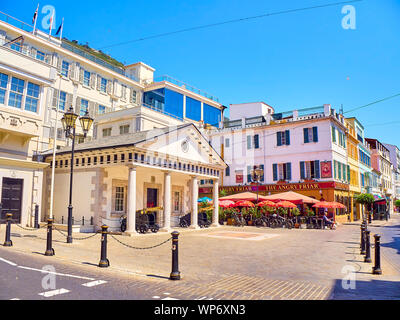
point(11, 198)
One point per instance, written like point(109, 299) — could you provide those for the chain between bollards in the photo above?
point(8, 241)
point(377, 268)
point(49, 247)
point(104, 263)
point(175, 274)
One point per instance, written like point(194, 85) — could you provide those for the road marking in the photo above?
point(169, 298)
point(53, 292)
point(94, 283)
point(15, 299)
point(9, 262)
point(56, 273)
point(156, 297)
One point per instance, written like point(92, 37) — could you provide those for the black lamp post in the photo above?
point(256, 174)
point(68, 122)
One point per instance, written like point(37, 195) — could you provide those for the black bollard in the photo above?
point(49, 247)
point(175, 274)
point(37, 216)
point(104, 263)
point(369, 218)
point(377, 268)
point(8, 241)
point(363, 228)
point(367, 247)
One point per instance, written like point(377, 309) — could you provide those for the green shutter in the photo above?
point(333, 134)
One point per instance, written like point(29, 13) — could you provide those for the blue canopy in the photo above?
point(204, 199)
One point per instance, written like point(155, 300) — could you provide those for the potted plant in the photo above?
point(397, 204)
point(366, 199)
point(296, 213)
point(221, 216)
point(251, 215)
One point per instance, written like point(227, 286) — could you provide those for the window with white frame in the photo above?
point(16, 46)
point(3, 87)
point(119, 199)
point(84, 107)
point(102, 109)
point(124, 129)
point(32, 97)
point(107, 132)
point(103, 85)
point(123, 91)
point(63, 100)
point(40, 55)
point(65, 68)
point(86, 78)
point(177, 201)
point(16, 92)
point(227, 143)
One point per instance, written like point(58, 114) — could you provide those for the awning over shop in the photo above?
point(244, 196)
point(291, 196)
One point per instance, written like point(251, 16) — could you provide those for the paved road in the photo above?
point(41, 278)
point(228, 263)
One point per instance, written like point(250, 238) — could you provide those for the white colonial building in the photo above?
point(42, 76)
point(117, 176)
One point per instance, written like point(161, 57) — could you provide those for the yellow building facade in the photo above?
point(354, 208)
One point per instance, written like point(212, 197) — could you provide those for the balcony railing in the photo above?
point(185, 86)
point(15, 22)
point(161, 111)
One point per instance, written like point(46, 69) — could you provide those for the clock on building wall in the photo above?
point(185, 145)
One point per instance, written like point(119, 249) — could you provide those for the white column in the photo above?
point(167, 201)
point(131, 212)
point(215, 215)
point(195, 196)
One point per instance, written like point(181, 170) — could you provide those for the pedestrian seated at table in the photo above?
point(328, 222)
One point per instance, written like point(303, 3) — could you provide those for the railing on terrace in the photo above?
point(232, 124)
point(309, 111)
point(93, 58)
point(15, 22)
point(161, 111)
point(255, 120)
point(185, 86)
point(29, 28)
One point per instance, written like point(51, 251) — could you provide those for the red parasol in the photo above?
point(329, 205)
point(226, 203)
point(266, 203)
point(338, 205)
point(244, 203)
point(286, 204)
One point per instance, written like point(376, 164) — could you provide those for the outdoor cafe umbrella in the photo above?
point(329, 205)
point(204, 199)
point(266, 203)
point(226, 203)
point(285, 204)
point(244, 203)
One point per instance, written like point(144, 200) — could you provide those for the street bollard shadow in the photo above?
point(157, 276)
point(91, 264)
point(366, 290)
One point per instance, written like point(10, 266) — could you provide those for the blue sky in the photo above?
point(289, 61)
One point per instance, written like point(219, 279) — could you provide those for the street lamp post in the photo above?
point(68, 122)
point(256, 174)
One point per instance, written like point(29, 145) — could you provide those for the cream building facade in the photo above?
point(42, 76)
point(158, 168)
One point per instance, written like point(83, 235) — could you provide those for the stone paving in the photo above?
point(235, 262)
